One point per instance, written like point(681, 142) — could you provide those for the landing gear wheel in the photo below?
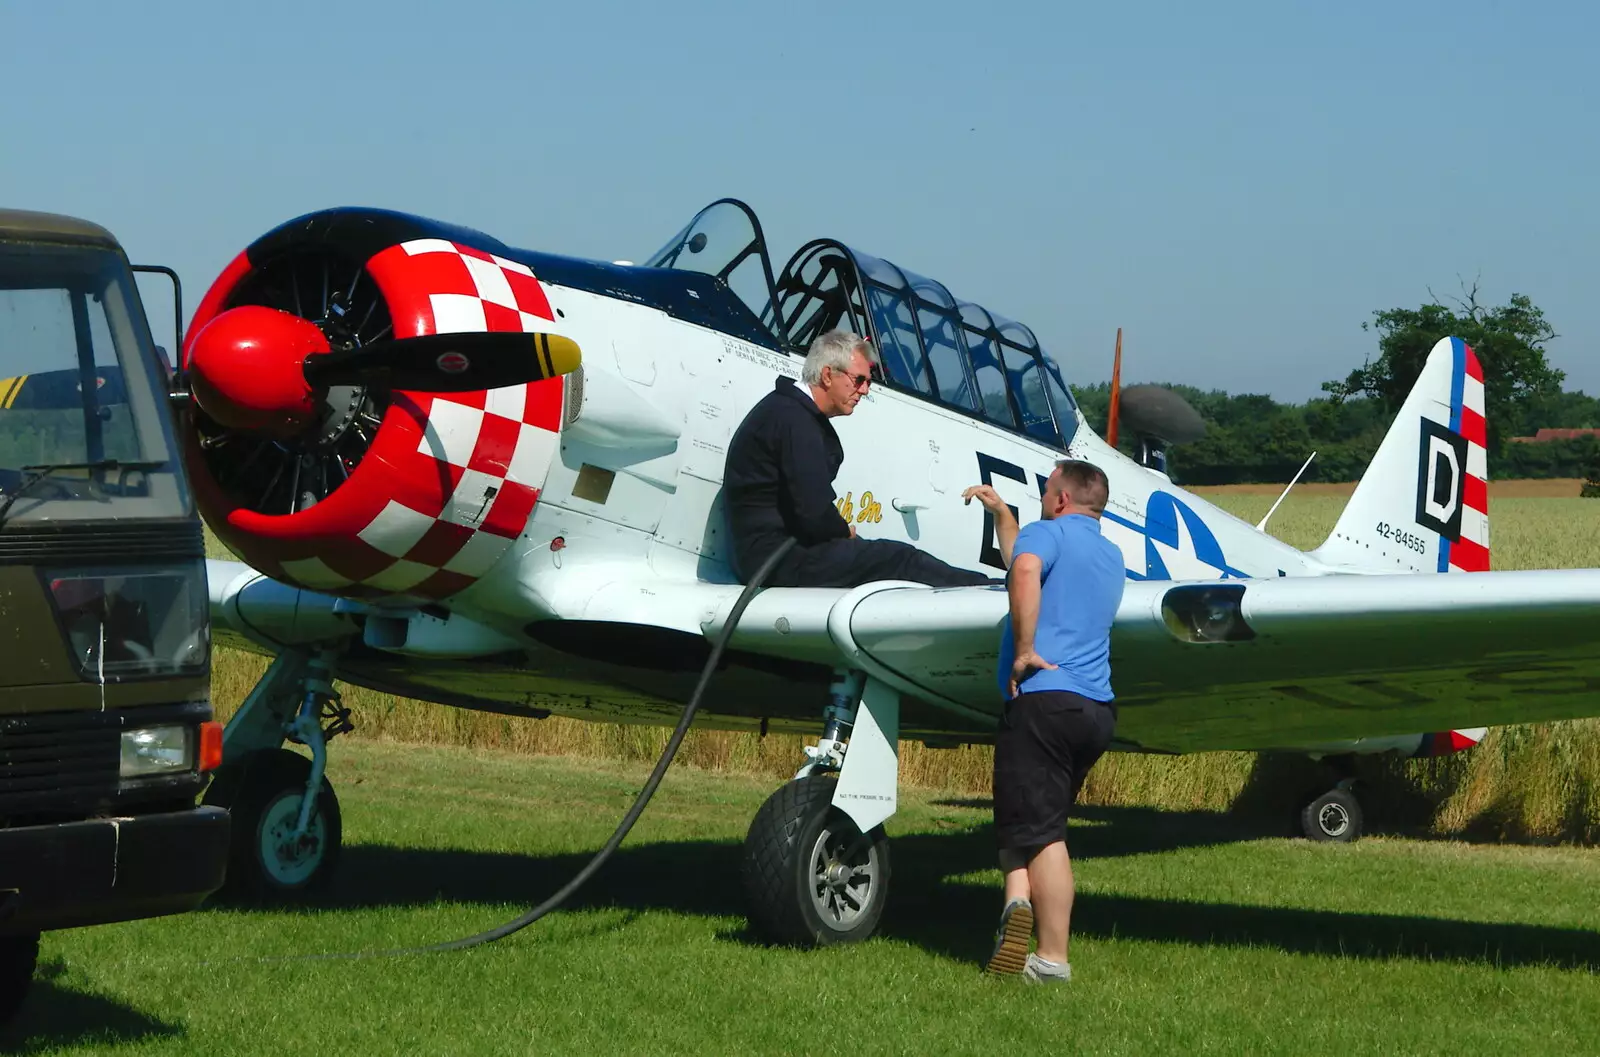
point(1333, 816)
point(810, 876)
point(263, 793)
point(18, 956)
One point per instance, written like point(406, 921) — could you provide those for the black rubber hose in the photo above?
point(654, 780)
point(639, 803)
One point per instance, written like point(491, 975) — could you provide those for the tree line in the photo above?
point(1253, 438)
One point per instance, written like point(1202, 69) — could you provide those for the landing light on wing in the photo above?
point(1206, 613)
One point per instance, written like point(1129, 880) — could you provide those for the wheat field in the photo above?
point(1533, 783)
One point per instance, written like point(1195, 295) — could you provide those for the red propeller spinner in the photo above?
point(245, 369)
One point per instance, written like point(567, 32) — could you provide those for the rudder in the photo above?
point(1423, 504)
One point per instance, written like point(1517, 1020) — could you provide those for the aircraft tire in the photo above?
point(262, 793)
point(18, 957)
point(808, 879)
point(1335, 816)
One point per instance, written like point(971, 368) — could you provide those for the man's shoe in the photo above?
point(1012, 938)
point(1039, 971)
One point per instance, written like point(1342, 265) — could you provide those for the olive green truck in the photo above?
point(106, 731)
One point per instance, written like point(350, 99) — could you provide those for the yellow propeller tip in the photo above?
point(561, 355)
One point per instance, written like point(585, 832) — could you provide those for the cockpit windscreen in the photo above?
point(929, 342)
point(724, 239)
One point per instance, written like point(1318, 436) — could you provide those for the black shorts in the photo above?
point(1046, 744)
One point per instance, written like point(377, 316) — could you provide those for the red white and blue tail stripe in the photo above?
point(1470, 552)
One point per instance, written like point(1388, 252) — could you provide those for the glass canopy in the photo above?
point(930, 343)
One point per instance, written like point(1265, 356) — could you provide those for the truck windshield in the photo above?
point(81, 392)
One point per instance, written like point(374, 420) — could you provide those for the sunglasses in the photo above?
point(857, 381)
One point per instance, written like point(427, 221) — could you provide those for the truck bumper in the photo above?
point(101, 870)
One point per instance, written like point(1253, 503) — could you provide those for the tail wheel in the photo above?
point(811, 878)
point(266, 860)
point(1334, 816)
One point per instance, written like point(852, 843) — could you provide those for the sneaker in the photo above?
point(1012, 938)
point(1039, 971)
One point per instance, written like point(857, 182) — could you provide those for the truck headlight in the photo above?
point(152, 751)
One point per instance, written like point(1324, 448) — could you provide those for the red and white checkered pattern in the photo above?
point(441, 287)
point(451, 478)
point(461, 493)
point(1470, 553)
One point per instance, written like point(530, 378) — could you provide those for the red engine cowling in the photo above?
point(359, 490)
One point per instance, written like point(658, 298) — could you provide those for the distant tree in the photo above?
point(1095, 403)
point(1252, 438)
point(1509, 341)
point(1570, 457)
point(1591, 487)
point(1559, 411)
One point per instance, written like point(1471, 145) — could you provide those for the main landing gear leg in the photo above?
point(286, 829)
point(816, 860)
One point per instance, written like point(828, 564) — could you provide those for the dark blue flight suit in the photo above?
point(778, 483)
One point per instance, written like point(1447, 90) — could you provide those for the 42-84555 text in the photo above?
point(1402, 537)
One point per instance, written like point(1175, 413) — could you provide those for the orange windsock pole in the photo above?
point(1116, 393)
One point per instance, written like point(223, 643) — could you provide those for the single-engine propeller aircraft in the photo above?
point(489, 477)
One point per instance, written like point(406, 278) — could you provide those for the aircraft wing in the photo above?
point(1290, 662)
point(1280, 663)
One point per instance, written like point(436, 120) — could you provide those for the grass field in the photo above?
point(1522, 783)
point(1192, 935)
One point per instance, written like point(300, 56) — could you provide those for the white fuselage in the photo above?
point(636, 482)
point(628, 533)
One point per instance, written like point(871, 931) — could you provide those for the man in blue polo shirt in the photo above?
point(1065, 585)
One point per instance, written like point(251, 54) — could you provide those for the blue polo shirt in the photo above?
point(1083, 575)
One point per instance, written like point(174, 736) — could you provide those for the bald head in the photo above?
point(1075, 487)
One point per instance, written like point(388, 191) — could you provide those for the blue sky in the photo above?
point(1237, 185)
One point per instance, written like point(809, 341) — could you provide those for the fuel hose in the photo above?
point(566, 892)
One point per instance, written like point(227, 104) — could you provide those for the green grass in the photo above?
point(1192, 935)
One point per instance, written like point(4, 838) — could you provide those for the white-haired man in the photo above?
point(778, 482)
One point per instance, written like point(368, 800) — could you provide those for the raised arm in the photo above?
point(1005, 522)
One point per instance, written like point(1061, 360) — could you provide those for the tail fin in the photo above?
point(1423, 504)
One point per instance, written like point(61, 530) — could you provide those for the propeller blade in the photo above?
point(447, 363)
point(1116, 393)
